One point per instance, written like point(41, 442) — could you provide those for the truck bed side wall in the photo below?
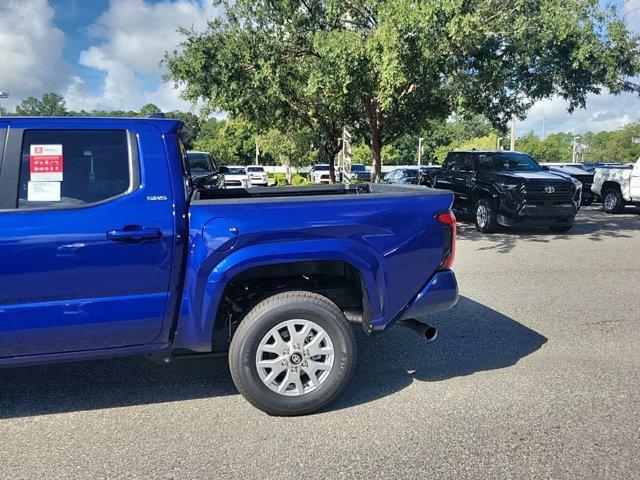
point(393, 240)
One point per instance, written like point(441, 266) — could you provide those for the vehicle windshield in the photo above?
point(255, 169)
point(200, 162)
point(507, 161)
point(321, 168)
point(236, 171)
point(358, 167)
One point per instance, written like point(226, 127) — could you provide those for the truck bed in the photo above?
point(388, 232)
point(312, 191)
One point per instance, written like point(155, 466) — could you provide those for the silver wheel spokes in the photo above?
point(482, 215)
point(610, 201)
point(294, 357)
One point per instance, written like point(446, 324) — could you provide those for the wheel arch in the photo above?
point(200, 313)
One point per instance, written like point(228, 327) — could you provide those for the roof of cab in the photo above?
point(165, 125)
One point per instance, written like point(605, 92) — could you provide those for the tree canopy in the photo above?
point(386, 67)
point(51, 105)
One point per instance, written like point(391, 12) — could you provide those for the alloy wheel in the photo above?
point(295, 357)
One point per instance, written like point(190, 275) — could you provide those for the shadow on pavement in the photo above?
point(472, 338)
point(591, 222)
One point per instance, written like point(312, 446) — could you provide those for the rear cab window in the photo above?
point(70, 168)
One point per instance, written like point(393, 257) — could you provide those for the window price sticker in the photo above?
point(46, 163)
point(43, 192)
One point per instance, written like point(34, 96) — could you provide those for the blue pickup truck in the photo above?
point(106, 250)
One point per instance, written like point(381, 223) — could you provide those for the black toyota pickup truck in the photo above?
point(510, 189)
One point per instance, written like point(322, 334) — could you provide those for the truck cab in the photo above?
point(107, 250)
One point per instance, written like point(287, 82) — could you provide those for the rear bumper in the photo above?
point(438, 295)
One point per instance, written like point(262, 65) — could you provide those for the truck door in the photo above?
point(450, 178)
point(634, 186)
point(86, 237)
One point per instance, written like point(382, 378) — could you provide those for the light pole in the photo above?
point(420, 151)
point(513, 135)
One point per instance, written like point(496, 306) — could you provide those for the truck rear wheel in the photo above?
point(292, 354)
point(613, 201)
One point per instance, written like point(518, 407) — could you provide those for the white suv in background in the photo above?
point(617, 186)
point(235, 176)
point(257, 175)
point(319, 173)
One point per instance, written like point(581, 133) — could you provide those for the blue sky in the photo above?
point(106, 54)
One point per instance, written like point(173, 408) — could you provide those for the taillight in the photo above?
point(448, 220)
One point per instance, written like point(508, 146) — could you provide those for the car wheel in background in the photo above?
point(485, 217)
point(292, 354)
point(612, 201)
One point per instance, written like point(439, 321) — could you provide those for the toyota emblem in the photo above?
point(550, 189)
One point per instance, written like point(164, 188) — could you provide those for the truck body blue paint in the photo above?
point(70, 292)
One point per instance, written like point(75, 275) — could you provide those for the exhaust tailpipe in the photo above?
point(426, 331)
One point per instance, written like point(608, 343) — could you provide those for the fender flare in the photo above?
point(214, 276)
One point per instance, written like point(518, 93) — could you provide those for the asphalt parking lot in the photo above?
point(535, 374)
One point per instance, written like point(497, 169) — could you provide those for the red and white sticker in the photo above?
point(46, 163)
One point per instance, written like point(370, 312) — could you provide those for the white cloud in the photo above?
point(31, 50)
point(603, 112)
point(134, 36)
point(631, 9)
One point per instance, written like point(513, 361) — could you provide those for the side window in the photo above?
point(453, 162)
point(391, 175)
point(66, 168)
point(467, 163)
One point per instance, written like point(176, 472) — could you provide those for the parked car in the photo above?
point(106, 251)
point(235, 176)
point(360, 173)
point(204, 171)
point(581, 174)
point(618, 187)
point(319, 173)
point(257, 175)
point(402, 176)
point(509, 189)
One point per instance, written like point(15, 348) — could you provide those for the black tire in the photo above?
point(562, 229)
point(612, 201)
point(485, 216)
point(260, 321)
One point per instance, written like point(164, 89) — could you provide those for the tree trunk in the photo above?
point(332, 170)
point(330, 152)
point(376, 153)
point(376, 123)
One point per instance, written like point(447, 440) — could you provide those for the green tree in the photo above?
point(149, 109)
point(555, 148)
point(230, 141)
point(249, 67)
point(397, 63)
point(50, 105)
point(622, 145)
point(290, 149)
